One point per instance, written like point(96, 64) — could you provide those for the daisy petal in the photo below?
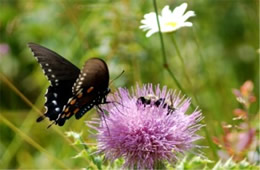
point(151, 32)
point(166, 11)
point(188, 15)
point(169, 21)
point(179, 11)
point(187, 24)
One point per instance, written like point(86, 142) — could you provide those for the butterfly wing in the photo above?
point(89, 89)
point(61, 73)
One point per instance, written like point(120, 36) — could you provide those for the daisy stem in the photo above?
point(184, 68)
point(207, 75)
point(208, 136)
point(165, 63)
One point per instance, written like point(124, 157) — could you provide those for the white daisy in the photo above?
point(169, 20)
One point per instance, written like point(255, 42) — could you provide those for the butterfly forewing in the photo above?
point(61, 73)
point(55, 67)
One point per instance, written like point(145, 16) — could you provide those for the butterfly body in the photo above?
point(72, 91)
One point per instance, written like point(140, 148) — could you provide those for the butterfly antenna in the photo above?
point(117, 77)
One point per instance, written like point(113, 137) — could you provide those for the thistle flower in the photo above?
point(169, 20)
point(146, 132)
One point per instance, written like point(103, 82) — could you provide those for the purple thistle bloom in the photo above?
point(145, 134)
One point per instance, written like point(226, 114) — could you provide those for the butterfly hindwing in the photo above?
point(94, 74)
point(56, 99)
point(78, 105)
point(90, 88)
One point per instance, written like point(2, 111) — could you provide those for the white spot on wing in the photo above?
point(54, 102)
point(55, 95)
point(57, 109)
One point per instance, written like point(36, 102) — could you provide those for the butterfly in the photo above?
point(72, 91)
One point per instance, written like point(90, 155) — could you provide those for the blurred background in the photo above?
point(220, 53)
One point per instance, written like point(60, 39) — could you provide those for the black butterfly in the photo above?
point(72, 92)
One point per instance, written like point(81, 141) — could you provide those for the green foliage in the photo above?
point(194, 162)
point(197, 162)
point(220, 52)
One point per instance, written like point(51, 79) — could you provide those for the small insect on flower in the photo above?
point(169, 20)
point(139, 128)
point(151, 99)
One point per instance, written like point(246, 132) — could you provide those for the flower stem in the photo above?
point(184, 68)
point(165, 63)
point(209, 82)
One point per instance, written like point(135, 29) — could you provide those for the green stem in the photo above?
point(160, 33)
point(184, 68)
point(165, 63)
point(206, 73)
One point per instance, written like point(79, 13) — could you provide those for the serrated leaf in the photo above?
point(81, 154)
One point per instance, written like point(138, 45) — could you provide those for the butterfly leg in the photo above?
point(113, 102)
point(102, 113)
point(51, 124)
point(39, 119)
point(108, 102)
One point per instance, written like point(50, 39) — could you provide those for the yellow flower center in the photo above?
point(172, 24)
